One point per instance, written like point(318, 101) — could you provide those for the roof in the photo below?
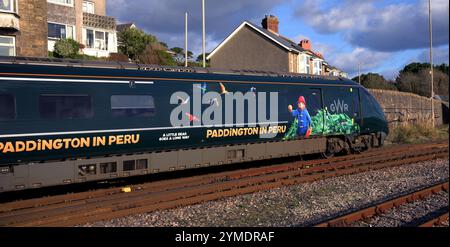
point(121, 27)
point(276, 38)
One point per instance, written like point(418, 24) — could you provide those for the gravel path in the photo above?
point(410, 214)
point(297, 205)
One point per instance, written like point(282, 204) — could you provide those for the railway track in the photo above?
point(383, 207)
point(104, 204)
point(436, 221)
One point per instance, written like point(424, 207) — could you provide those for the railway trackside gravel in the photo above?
point(410, 214)
point(297, 205)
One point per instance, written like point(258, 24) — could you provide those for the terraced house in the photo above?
point(31, 27)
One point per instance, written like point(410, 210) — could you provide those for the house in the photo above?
point(122, 27)
point(31, 27)
point(250, 47)
point(84, 21)
point(21, 22)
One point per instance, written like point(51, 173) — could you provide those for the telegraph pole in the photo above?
point(431, 60)
point(186, 40)
point(359, 73)
point(204, 34)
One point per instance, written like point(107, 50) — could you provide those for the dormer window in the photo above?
point(88, 7)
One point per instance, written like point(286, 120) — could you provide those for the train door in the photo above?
point(314, 104)
point(357, 116)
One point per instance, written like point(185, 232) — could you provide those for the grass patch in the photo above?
point(417, 134)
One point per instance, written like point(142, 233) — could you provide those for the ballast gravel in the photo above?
point(297, 205)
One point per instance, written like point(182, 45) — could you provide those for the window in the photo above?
point(97, 39)
point(89, 38)
point(7, 107)
point(59, 31)
point(65, 107)
point(8, 5)
point(141, 164)
point(128, 165)
point(7, 45)
point(62, 2)
point(88, 7)
point(109, 167)
point(132, 106)
point(308, 67)
point(317, 67)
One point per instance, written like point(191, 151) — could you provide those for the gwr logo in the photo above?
point(339, 106)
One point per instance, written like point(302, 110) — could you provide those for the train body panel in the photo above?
point(55, 113)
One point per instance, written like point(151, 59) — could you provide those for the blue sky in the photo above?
point(381, 35)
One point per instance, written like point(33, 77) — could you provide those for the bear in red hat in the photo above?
point(304, 127)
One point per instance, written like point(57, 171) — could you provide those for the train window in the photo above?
point(7, 107)
point(129, 165)
point(132, 105)
point(109, 167)
point(65, 106)
point(141, 164)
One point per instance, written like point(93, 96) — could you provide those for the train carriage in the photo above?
point(65, 121)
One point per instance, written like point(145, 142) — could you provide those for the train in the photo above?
point(70, 121)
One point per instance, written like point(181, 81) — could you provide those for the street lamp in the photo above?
point(186, 39)
point(430, 24)
point(204, 34)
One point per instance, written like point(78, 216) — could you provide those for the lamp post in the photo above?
point(359, 73)
point(186, 40)
point(204, 34)
point(430, 24)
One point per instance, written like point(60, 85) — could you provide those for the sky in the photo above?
point(382, 36)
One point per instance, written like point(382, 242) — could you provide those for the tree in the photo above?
point(133, 42)
point(155, 53)
point(419, 82)
point(179, 54)
point(66, 48)
point(200, 57)
point(373, 80)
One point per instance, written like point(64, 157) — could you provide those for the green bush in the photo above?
point(66, 48)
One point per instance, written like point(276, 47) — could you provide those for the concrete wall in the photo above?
point(406, 108)
point(250, 50)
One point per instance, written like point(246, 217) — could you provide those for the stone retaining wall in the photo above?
point(406, 108)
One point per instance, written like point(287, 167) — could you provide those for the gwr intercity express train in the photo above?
point(65, 121)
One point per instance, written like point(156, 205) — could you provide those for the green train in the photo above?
point(68, 121)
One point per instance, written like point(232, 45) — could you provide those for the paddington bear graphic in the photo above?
point(302, 116)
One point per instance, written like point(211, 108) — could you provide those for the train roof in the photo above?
point(116, 65)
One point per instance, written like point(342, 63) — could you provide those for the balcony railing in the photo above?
point(99, 21)
point(9, 21)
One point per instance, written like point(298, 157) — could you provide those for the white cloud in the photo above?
point(165, 19)
point(367, 59)
point(391, 28)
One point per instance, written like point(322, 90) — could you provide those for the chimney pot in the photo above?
point(305, 44)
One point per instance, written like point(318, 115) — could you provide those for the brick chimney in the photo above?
point(270, 23)
point(305, 44)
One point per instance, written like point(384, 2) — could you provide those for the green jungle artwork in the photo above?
point(324, 123)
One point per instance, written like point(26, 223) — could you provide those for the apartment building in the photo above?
point(23, 28)
point(84, 21)
point(31, 27)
